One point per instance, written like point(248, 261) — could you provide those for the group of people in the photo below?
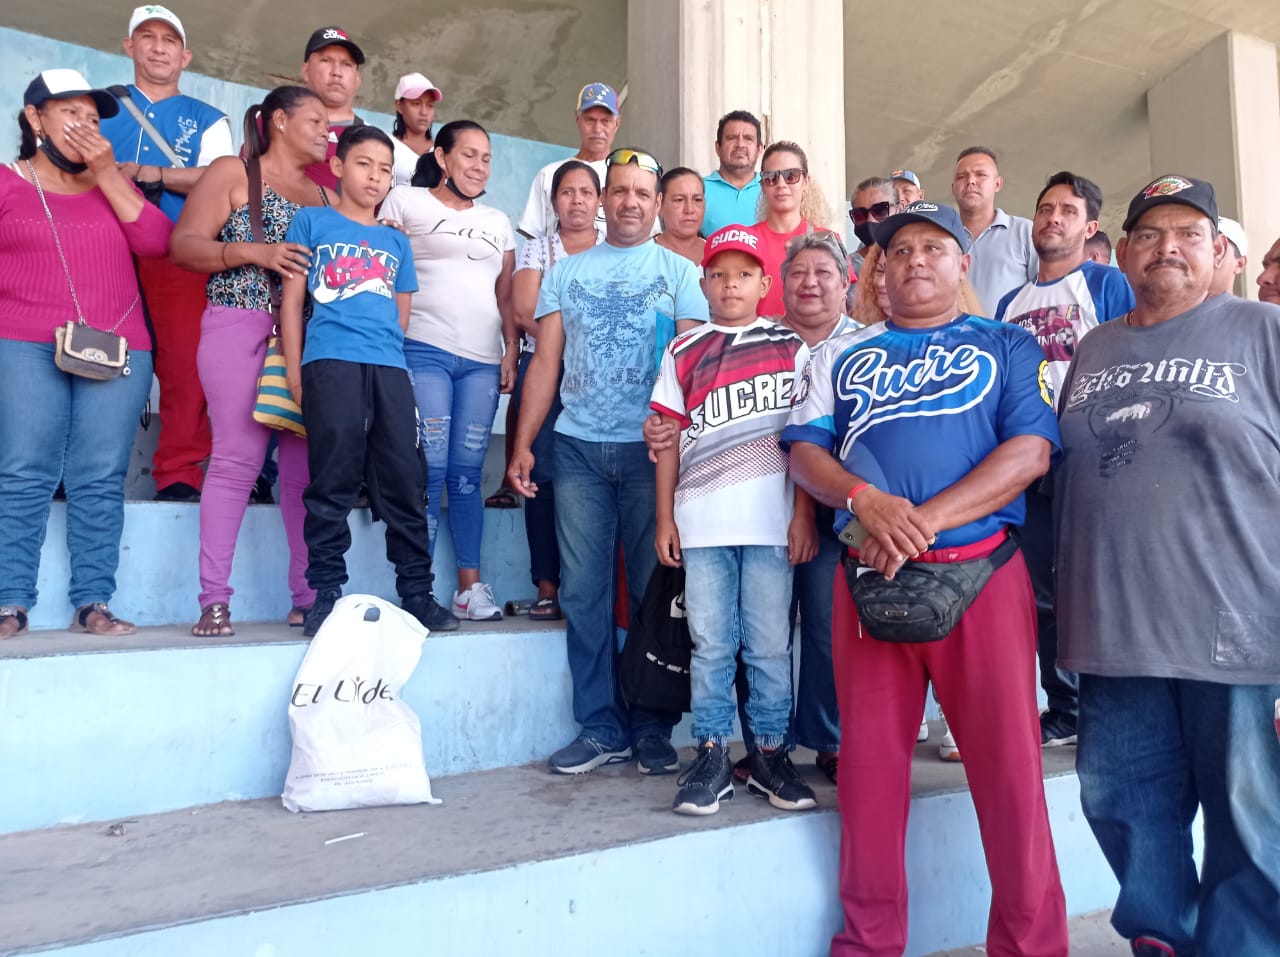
point(714, 381)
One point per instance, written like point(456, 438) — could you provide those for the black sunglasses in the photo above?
point(877, 211)
point(789, 176)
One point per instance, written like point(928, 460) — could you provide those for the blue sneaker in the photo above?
point(585, 754)
point(655, 755)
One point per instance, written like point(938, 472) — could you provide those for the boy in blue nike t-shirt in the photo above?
point(350, 378)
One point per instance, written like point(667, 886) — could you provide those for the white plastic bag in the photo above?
point(355, 742)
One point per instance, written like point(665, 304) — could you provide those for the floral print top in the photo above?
point(250, 287)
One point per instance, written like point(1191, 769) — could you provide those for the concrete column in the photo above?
point(1218, 118)
point(691, 61)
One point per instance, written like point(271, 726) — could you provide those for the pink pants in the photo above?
point(985, 679)
point(233, 343)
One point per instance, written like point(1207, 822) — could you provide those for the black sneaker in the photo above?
point(773, 776)
point(1151, 947)
point(178, 492)
point(430, 612)
point(655, 755)
point(708, 781)
point(319, 611)
point(261, 493)
point(1057, 729)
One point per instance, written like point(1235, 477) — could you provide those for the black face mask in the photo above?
point(448, 184)
point(59, 159)
point(863, 232)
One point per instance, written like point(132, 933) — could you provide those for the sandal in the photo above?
point(215, 621)
point(300, 613)
point(13, 613)
point(742, 769)
point(104, 625)
point(504, 497)
point(545, 609)
point(829, 765)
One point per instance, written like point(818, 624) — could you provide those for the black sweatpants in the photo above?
point(362, 425)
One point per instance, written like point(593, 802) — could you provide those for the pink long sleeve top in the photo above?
point(34, 298)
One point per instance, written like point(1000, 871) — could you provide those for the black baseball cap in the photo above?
point(62, 84)
point(944, 217)
point(1196, 193)
point(333, 36)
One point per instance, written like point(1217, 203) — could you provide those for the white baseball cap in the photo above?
point(153, 11)
point(1234, 232)
point(413, 85)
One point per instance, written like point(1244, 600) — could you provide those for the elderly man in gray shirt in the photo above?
point(1000, 250)
point(1168, 591)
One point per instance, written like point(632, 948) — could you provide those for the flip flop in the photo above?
point(504, 497)
point(545, 609)
point(80, 622)
point(829, 765)
point(301, 611)
point(17, 614)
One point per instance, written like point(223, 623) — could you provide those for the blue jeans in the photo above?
point(457, 400)
point(1152, 750)
point(612, 493)
point(738, 597)
point(59, 427)
point(1061, 687)
point(540, 511)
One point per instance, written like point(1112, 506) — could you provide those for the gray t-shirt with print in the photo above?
point(1167, 498)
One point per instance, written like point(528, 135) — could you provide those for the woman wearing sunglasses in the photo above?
point(791, 204)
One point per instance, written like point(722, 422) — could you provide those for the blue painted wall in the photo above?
point(515, 161)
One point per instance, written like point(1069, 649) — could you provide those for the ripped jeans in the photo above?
point(457, 400)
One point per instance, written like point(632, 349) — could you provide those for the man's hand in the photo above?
point(519, 472)
point(667, 542)
point(897, 530)
point(659, 435)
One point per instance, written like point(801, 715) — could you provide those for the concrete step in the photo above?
point(159, 578)
point(516, 860)
point(93, 728)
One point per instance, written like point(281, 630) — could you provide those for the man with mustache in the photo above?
point(733, 191)
point(1001, 249)
point(1168, 581)
point(331, 70)
point(1070, 295)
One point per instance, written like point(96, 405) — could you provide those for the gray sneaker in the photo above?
point(585, 754)
point(708, 781)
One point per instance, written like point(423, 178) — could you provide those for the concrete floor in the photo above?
point(1091, 936)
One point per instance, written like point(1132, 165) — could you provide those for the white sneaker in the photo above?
point(924, 732)
point(476, 604)
point(948, 750)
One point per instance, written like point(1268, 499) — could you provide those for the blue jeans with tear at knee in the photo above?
point(457, 400)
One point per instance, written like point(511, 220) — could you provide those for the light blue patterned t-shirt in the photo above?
point(619, 306)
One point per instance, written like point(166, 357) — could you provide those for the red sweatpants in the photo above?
point(985, 679)
point(176, 300)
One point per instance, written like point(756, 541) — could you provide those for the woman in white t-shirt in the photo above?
point(461, 345)
point(416, 99)
point(575, 197)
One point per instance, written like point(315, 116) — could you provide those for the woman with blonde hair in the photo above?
point(871, 302)
point(791, 204)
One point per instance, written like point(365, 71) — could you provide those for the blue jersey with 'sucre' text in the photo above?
point(913, 411)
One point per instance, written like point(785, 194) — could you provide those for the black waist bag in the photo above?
point(925, 600)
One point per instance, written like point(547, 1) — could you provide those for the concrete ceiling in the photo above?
point(1048, 85)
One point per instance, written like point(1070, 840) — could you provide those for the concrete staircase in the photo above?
point(139, 811)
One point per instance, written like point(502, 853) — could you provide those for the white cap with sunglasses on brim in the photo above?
point(64, 84)
point(414, 85)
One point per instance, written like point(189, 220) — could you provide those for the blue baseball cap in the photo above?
point(944, 217)
point(909, 176)
point(598, 94)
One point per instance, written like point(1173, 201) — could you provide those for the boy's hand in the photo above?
point(519, 472)
point(293, 379)
point(802, 539)
point(667, 542)
point(659, 435)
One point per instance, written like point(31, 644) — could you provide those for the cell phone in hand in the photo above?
point(854, 534)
